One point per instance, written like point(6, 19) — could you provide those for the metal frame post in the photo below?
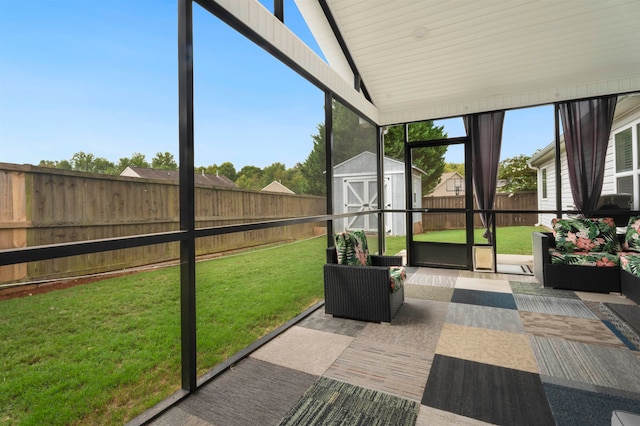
point(187, 210)
point(328, 139)
point(408, 205)
point(381, 192)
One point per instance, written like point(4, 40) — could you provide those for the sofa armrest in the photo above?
point(541, 242)
point(357, 292)
point(386, 260)
point(332, 259)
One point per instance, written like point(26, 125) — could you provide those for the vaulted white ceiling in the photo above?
point(427, 59)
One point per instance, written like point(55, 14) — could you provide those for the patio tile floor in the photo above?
point(472, 348)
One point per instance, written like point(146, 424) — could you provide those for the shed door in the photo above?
point(361, 195)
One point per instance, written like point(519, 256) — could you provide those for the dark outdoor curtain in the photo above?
point(587, 125)
point(485, 133)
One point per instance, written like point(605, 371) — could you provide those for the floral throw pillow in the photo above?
point(397, 276)
point(632, 236)
point(586, 235)
point(352, 249)
point(361, 248)
point(344, 249)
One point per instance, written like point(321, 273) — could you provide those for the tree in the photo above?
point(517, 173)
point(430, 160)
point(225, 169)
point(250, 171)
point(136, 160)
point(164, 161)
point(250, 177)
point(312, 169)
point(228, 170)
point(62, 165)
point(454, 167)
point(350, 138)
point(295, 180)
point(274, 172)
point(84, 162)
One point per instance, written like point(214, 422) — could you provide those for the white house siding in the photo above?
point(631, 117)
point(609, 182)
point(548, 203)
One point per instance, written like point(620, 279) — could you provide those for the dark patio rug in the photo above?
point(626, 318)
point(489, 393)
point(629, 313)
point(336, 403)
point(572, 406)
point(484, 298)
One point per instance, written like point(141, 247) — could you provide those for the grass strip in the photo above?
point(102, 353)
point(510, 240)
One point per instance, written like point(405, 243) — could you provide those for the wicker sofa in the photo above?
point(362, 292)
point(564, 260)
point(630, 285)
point(570, 277)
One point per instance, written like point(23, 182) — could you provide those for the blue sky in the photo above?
point(101, 77)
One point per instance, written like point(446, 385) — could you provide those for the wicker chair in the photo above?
point(361, 292)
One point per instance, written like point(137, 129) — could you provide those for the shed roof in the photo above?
point(365, 163)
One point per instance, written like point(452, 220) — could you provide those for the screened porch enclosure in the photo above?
point(376, 107)
point(397, 65)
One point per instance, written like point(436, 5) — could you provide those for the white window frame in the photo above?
point(635, 169)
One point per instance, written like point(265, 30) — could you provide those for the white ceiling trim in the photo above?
point(410, 113)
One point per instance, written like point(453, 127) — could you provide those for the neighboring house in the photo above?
point(276, 186)
point(173, 175)
point(451, 184)
point(355, 189)
point(622, 167)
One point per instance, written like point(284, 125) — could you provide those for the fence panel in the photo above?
point(13, 219)
point(40, 206)
point(527, 200)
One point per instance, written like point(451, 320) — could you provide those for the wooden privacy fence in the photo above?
point(40, 206)
point(526, 200)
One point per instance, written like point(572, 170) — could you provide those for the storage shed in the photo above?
point(354, 189)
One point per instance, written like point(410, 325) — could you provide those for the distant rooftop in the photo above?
point(173, 175)
point(276, 186)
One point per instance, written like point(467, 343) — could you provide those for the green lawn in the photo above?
point(104, 352)
point(510, 240)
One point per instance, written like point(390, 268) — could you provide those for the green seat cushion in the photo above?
point(586, 235)
point(603, 259)
point(630, 262)
point(632, 235)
